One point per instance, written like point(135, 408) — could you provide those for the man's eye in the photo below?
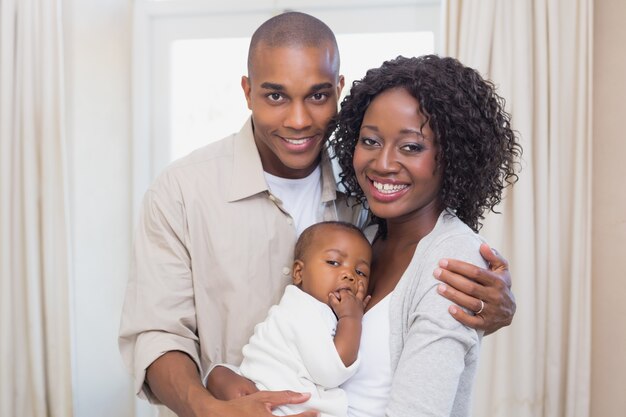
point(319, 96)
point(333, 263)
point(274, 96)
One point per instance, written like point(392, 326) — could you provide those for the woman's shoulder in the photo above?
point(452, 235)
point(450, 238)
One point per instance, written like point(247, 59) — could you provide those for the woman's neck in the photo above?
point(412, 228)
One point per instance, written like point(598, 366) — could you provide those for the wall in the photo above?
point(97, 46)
point(608, 362)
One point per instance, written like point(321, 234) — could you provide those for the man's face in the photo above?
point(336, 260)
point(292, 92)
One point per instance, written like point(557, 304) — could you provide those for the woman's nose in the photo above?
point(385, 160)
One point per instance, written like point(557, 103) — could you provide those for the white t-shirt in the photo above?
point(301, 198)
point(368, 389)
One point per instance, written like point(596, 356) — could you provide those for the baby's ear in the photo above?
point(296, 274)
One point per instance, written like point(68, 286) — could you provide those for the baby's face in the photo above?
point(335, 261)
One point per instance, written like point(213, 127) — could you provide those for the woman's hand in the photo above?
point(486, 292)
point(226, 385)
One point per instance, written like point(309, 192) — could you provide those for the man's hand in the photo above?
point(468, 285)
point(259, 404)
point(346, 304)
point(175, 381)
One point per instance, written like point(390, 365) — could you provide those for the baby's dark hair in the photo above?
point(477, 148)
point(307, 236)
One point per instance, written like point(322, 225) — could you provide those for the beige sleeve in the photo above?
point(159, 310)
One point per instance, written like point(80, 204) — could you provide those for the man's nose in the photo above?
point(298, 116)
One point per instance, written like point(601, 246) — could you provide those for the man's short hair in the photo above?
point(292, 29)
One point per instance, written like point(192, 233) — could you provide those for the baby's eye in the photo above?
point(361, 273)
point(333, 263)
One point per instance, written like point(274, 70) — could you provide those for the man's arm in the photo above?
point(174, 380)
point(468, 285)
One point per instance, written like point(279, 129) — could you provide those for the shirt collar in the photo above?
point(247, 176)
point(329, 185)
point(248, 179)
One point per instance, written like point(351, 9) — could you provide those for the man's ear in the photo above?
point(340, 85)
point(246, 87)
point(298, 267)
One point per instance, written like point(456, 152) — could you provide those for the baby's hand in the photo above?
point(346, 304)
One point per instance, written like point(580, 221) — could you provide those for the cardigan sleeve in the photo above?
point(436, 364)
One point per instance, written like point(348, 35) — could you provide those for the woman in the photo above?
point(426, 144)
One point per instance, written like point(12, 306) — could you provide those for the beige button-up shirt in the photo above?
point(213, 251)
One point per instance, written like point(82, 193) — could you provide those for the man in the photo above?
point(214, 243)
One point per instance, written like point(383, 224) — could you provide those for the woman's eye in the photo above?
point(333, 263)
point(368, 141)
point(413, 147)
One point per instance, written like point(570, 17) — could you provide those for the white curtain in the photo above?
point(538, 52)
point(35, 371)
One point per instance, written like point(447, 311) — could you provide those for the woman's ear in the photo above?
point(298, 267)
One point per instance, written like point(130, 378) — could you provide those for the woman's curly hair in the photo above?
point(477, 148)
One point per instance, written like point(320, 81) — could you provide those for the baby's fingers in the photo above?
point(333, 300)
point(367, 301)
point(361, 291)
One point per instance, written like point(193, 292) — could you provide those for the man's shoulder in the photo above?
point(205, 154)
point(209, 157)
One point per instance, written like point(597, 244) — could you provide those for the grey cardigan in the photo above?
point(433, 356)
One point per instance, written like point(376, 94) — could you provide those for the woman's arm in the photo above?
point(434, 357)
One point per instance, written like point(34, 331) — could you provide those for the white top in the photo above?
point(302, 197)
point(294, 349)
point(368, 390)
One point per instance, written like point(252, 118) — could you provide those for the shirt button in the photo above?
point(289, 220)
point(286, 270)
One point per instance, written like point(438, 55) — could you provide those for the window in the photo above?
point(207, 102)
point(189, 57)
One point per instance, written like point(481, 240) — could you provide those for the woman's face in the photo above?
point(394, 158)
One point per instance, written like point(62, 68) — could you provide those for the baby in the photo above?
point(309, 342)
